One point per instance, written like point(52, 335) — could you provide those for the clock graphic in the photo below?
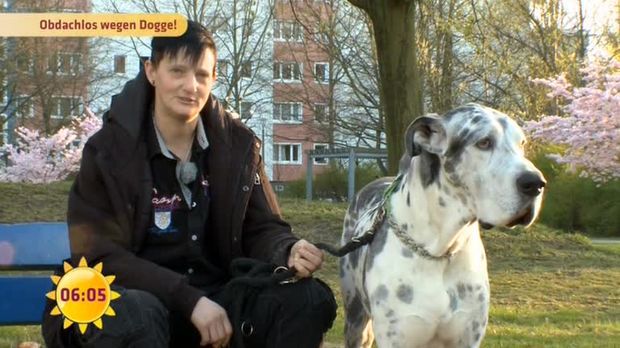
point(83, 295)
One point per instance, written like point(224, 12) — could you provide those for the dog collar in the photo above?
point(413, 245)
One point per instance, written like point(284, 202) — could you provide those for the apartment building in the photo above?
point(300, 88)
point(43, 81)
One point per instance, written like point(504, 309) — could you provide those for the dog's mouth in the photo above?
point(524, 218)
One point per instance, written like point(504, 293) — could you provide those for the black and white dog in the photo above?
point(423, 281)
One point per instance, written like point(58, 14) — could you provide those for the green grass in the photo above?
point(548, 289)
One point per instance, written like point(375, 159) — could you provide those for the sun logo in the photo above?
point(83, 295)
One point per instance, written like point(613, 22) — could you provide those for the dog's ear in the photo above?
point(426, 133)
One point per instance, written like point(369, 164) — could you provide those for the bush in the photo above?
point(332, 184)
point(573, 203)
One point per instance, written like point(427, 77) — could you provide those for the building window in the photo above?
point(62, 107)
point(321, 38)
point(24, 64)
point(287, 153)
point(65, 63)
point(321, 72)
point(287, 71)
point(288, 31)
point(119, 64)
point(222, 68)
point(246, 69)
point(320, 147)
point(246, 110)
point(287, 112)
point(23, 106)
point(320, 112)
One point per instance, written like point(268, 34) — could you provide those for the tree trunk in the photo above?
point(401, 82)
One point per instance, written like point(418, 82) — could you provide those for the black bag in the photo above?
point(249, 278)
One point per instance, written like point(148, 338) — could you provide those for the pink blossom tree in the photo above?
point(43, 159)
point(590, 131)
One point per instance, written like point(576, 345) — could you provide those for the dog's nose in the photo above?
point(531, 184)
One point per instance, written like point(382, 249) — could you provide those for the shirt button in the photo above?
point(246, 188)
point(194, 237)
point(190, 270)
point(193, 204)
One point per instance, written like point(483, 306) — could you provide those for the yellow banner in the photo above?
point(91, 24)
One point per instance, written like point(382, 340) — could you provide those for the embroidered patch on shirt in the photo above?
point(163, 206)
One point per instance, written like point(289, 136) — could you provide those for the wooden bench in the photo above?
point(25, 248)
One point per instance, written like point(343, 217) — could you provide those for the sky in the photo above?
point(598, 13)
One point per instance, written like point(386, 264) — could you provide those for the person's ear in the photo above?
point(151, 71)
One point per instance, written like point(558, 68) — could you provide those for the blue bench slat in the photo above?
point(22, 299)
point(33, 245)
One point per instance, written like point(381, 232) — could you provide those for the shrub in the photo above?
point(332, 184)
point(574, 203)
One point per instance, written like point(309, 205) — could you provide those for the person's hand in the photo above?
point(211, 320)
point(306, 258)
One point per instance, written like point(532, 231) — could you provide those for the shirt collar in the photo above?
point(201, 139)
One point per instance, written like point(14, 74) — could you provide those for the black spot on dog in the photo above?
point(442, 203)
point(354, 257)
point(405, 293)
point(504, 123)
point(380, 294)
point(460, 288)
point(407, 253)
point(429, 168)
point(470, 288)
point(477, 336)
point(481, 297)
point(377, 245)
point(454, 303)
point(355, 310)
point(476, 119)
point(408, 200)
point(462, 109)
point(389, 313)
point(475, 326)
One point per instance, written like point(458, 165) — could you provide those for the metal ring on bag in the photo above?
point(244, 329)
point(280, 269)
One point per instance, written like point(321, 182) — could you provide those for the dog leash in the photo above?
point(366, 238)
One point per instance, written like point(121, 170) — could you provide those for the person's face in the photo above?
point(182, 88)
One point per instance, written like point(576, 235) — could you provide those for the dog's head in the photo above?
point(475, 154)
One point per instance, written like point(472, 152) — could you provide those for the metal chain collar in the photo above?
point(415, 247)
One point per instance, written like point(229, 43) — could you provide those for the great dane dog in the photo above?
point(422, 281)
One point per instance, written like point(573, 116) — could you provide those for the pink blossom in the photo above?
point(43, 159)
point(590, 131)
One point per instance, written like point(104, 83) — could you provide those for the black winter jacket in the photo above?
point(110, 200)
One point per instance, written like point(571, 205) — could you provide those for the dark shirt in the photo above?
point(178, 236)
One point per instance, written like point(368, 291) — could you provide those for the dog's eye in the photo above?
point(484, 144)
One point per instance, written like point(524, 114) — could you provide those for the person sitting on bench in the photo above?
point(170, 191)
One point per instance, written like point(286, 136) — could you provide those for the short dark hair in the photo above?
point(193, 42)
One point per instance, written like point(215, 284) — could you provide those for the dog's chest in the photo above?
point(433, 296)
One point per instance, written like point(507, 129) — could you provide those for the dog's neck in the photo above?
point(439, 222)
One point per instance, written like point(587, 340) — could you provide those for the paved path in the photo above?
point(605, 240)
